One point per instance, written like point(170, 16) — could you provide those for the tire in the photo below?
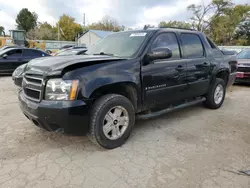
point(103, 112)
point(211, 101)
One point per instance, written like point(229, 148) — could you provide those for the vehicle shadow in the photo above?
point(36, 140)
point(5, 75)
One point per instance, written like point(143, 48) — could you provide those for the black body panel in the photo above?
point(156, 82)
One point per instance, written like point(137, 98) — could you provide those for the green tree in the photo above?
point(26, 20)
point(242, 32)
point(177, 24)
point(107, 24)
point(68, 28)
point(223, 28)
point(1, 30)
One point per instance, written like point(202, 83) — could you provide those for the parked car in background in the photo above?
point(11, 58)
point(243, 70)
point(77, 51)
point(66, 46)
point(17, 75)
point(7, 47)
point(71, 48)
point(236, 50)
point(143, 73)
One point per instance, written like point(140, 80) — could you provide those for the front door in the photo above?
point(198, 66)
point(8, 63)
point(164, 79)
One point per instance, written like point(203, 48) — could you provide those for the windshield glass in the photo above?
point(4, 51)
point(245, 54)
point(122, 44)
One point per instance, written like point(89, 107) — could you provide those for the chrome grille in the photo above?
point(32, 86)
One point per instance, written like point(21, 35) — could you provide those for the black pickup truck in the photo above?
point(142, 73)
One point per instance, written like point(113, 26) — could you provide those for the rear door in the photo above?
point(164, 79)
point(198, 66)
point(7, 65)
point(29, 54)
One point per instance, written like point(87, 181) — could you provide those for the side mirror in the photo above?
point(5, 56)
point(160, 53)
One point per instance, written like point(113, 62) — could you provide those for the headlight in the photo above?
point(19, 70)
point(58, 89)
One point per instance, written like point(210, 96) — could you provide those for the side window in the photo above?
point(32, 53)
point(211, 44)
point(14, 53)
point(167, 40)
point(192, 46)
point(214, 48)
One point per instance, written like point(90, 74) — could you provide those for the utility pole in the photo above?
point(84, 19)
point(58, 32)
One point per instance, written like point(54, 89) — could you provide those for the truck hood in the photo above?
point(243, 62)
point(55, 65)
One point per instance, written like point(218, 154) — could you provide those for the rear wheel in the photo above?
point(112, 120)
point(216, 95)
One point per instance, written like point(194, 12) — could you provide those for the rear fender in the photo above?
point(218, 72)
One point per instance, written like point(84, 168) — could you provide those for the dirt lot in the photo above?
point(194, 147)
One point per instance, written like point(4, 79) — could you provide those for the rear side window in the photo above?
point(212, 45)
point(32, 53)
point(167, 40)
point(192, 46)
point(216, 51)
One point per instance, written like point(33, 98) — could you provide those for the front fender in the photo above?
point(89, 87)
point(97, 76)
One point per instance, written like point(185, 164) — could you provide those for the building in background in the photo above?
point(91, 37)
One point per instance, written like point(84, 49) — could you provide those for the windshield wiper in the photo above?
point(103, 53)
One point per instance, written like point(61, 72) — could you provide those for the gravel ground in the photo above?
point(191, 148)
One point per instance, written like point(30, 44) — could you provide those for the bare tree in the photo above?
point(199, 17)
point(202, 14)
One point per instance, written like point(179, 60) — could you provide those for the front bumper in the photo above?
point(243, 77)
point(61, 116)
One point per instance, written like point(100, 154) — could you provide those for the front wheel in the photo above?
point(216, 95)
point(112, 120)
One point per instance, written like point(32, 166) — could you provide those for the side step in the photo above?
point(170, 109)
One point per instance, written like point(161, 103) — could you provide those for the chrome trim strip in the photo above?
point(32, 83)
point(35, 78)
point(33, 89)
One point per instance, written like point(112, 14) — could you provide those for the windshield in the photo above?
point(4, 51)
point(245, 54)
point(122, 44)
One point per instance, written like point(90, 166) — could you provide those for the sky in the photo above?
point(130, 13)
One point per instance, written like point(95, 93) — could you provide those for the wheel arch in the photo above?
point(223, 74)
point(126, 89)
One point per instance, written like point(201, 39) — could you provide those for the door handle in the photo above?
point(179, 68)
point(205, 64)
